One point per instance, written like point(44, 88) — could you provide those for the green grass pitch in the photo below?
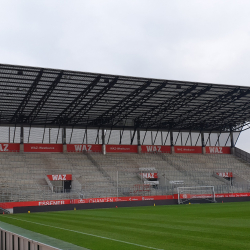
point(195, 226)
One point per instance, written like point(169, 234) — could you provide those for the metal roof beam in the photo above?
point(210, 105)
point(176, 106)
point(76, 102)
point(230, 99)
point(91, 103)
point(138, 103)
point(32, 116)
point(172, 102)
point(118, 108)
point(19, 112)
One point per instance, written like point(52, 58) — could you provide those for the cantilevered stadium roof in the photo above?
point(32, 96)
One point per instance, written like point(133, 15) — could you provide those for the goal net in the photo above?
point(186, 194)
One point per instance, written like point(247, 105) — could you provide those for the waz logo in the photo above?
point(80, 148)
point(153, 148)
point(4, 147)
point(215, 150)
point(59, 177)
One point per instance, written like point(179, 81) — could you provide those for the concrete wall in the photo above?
point(12, 241)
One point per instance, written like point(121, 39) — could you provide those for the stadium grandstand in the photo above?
point(76, 137)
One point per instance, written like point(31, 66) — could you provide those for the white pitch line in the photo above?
point(98, 236)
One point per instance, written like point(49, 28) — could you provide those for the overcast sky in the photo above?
point(204, 41)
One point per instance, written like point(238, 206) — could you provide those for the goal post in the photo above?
point(186, 194)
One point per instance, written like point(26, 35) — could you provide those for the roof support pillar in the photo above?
point(86, 132)
point(64, 140)
point(21, 140)
point(232, 141)
point(203, 143)
point(138, 141)
point(172, 141)
point(103, 142)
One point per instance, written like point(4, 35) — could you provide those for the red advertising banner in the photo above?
point(121, 149)
point(218, 150)
point(43, 148)
point(225, 174)
point(232, 195)
point(10, 205)
point(156, 148)
point(195, 196)
point(149, 175)
point(116, 199)
point(188, 149)
point(84, 147)
point(9, 147)
point(60, 177)
point(188, 196)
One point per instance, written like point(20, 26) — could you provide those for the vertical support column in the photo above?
point(172, 141)
point(21, 140)
point(138, 141)
point(203, 143)
point(49, 135)
point(190, 136)
point(103, 142)
point(64, 140)
point(86, 131)
point(232, 141)
point(161, 138)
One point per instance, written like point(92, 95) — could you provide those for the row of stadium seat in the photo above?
point(98, 175)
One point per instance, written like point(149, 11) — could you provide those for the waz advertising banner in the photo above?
point(121, 148)
point(155, 149)
point(43, 148)
point(218, 150)
point(84, 147)
point(188, 150)
point(60, 177)
point(9, 147)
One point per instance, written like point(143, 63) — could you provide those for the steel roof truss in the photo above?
point(92, 102)
point(19, 112)
point(62, 117)
point(32, 116)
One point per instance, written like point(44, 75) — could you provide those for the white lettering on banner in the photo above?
point(120, 148)
point(186, 149)
point(4, 147)
point(81, 201)
point(153, 148)
point(48, 203)
point(215, 150)
point(42, 148)
point(80, 148)
point(59, 177)
point(149, 175)
point(101, 200)
point(225, 174)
